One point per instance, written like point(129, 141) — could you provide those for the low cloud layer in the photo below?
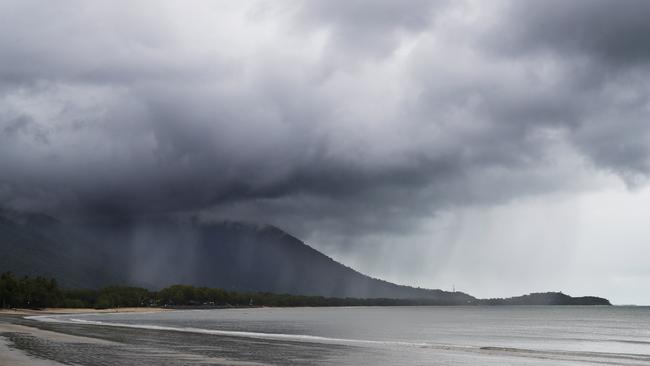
point(335, 120)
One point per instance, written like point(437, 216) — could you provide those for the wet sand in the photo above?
point(30, 342)
point(10, 355)
point(46, 311)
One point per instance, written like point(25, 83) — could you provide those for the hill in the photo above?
point(158, 253)
point(546, 298)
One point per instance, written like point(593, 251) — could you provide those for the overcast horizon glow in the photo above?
point(503, 147)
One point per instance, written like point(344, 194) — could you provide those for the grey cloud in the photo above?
point(139, 122)
point(615, 31)
point(602, 46)
point(357, 28)
point(23, 125)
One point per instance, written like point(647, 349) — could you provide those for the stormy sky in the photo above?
point(500, 146)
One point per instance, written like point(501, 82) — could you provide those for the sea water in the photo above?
point(477, 335)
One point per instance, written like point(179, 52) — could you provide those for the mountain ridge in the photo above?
point(231, 255)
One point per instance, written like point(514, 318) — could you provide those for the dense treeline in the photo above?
point(29, 292)
point(40, 292)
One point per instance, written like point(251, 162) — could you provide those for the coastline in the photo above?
point(51, 311)
point(12, 357)
point(26, 342)
point(9, 319)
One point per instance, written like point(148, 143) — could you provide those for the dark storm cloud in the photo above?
point(613, 31)
point(604, 45)
point(166, 109)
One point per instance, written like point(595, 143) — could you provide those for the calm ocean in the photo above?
point(508, 335)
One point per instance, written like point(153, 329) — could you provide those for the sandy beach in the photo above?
point(12, 323)
point(26, 342)
point(10, 356)
point(47, 311)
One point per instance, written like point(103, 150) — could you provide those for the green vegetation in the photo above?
point(28, 292)
point(41, 292)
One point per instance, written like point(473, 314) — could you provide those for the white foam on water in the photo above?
point(258, 335)
point(610, 358)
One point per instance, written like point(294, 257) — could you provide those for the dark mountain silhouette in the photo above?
point(158, 253)
point(547, 298)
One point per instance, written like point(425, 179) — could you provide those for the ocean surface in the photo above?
point(500, 335)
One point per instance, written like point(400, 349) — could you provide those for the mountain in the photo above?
point(39, 245)
point(157, 253)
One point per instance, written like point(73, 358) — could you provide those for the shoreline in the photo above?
point(15, 356)
point(10, 355)
point(53, 311)
point(25, 342)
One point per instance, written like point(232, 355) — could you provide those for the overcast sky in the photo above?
point(503, 147)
